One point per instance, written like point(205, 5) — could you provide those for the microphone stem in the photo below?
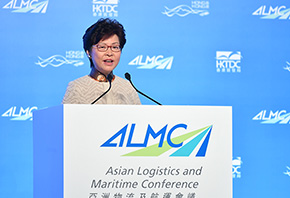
point(144, 94)
point(110, 84)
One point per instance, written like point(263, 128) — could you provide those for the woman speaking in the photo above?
point(103, 43)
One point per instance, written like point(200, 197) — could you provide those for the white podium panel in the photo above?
point(111, 151)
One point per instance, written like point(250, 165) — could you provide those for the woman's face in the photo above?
point(106, 61)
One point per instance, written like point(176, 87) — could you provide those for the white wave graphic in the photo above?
point(105, 1)
point(227, 55)
point(287, 67)
point(287, 172)
point(22, 118)
point(57, 61)
point(183, 10)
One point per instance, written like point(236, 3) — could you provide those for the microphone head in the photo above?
point(128, 76)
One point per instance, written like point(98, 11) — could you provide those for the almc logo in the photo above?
point(32, 6)
point(273, 117)
point(71, 58)
point(19, 114)
point(278, 12)
point(105, 8)
point(197, 7)
point(228, 61)
point(197, 139)
point(157, 62)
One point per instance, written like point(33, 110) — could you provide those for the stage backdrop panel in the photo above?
point(180, 52)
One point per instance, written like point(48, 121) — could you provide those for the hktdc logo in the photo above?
point(19, 114)
point(278, 12)
point(273, 117)
point(105, 8)
point(236, 166)
point(32, 6)
point(157, 62)
point(197, 7)
point(228, 61)
point(71, 58)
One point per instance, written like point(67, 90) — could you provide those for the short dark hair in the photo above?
point(103, 29)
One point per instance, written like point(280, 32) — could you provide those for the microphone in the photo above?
point(109, 78)
point(128, 77)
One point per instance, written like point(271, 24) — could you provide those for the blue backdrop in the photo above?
point(180, 52)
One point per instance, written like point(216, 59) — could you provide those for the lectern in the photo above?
point(110, 151)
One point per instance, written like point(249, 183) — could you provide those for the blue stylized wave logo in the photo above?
point(28, 6)
point(57, 61)
point(196, 141)
point(184, 10)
